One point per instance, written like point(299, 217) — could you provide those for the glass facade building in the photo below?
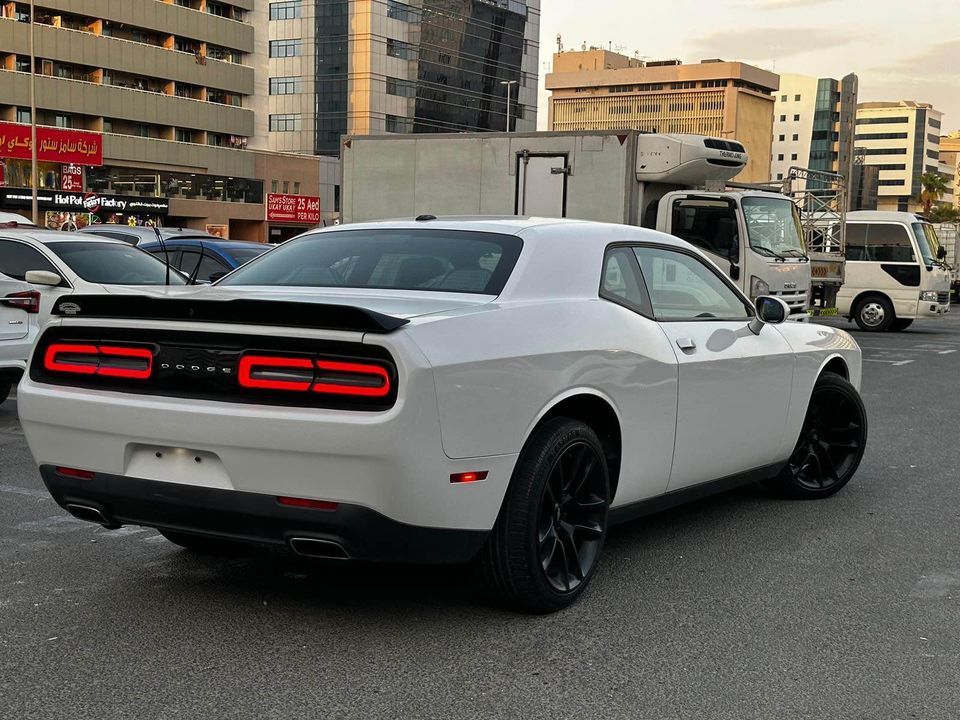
point(394, 66)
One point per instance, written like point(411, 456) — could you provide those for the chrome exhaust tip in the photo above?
point(91, 514)
point(316, 548)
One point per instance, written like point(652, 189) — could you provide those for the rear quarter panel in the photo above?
point(498, 372)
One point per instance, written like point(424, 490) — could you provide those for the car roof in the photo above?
point(504, 224)
point(884, 216)
point(197, 242)
point(45, 237)
point(146, 232)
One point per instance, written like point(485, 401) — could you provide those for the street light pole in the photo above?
point(34, 175)
point(509, 84)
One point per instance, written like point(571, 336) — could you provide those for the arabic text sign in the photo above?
point(293, 209)
point(53, 145)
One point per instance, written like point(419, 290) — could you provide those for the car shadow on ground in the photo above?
point(314, 588)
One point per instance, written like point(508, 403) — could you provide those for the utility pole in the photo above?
point(509, 84)
point(34, 175)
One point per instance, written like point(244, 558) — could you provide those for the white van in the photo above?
point(894, 272)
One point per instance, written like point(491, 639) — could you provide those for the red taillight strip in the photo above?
point(265, 363)
point(346, 387)
point(50, 361)
point(100, 357)
point(109, 351)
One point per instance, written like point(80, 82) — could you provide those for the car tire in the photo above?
point(874, 313)
point(899, 324)
point(544, 548)
point(206, 545)
point(831, 443)
point(5, 391)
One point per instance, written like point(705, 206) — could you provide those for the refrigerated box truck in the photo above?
point(673, 183)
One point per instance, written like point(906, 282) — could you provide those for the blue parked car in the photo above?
point(215, 257)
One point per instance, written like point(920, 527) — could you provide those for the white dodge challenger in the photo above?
point(439, 391)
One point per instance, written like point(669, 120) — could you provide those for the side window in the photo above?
point(857, 242)
point(711, 225)
point(171, 253)
point(889, 243)
point(621, 281)
point(17, 258)
point(682, 287)
point(209, 265)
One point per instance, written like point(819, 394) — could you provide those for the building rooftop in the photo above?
point(600, 67)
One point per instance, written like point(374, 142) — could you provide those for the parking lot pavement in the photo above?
point(739, 606)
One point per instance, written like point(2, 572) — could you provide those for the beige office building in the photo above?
point(950, 164)
point(601, 90)
point(165, 91)
point(902, 139)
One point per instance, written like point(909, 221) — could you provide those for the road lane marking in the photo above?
point(890, 362)
point(14, 490)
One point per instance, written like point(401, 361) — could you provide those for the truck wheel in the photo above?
point(900, 324)
point(543, 550)
point(4, 391)
point(874, 313)
point(831, 443)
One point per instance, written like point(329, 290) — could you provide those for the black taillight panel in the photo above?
point(209, 366)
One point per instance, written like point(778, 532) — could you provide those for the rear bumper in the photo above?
point(364, 534)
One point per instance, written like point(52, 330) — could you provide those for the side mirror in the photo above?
point(42, 277)
point(734, 271)
point(941, 253)
point(770, 311)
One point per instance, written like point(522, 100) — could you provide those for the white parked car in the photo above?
point(38, 267)
point(437, 391)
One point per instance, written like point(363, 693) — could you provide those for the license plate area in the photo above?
point(178, 465)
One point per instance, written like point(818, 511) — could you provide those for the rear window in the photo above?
point(244, 255)
point(431, 260)
point(114, 264)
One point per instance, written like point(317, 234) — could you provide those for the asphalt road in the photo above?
point(738, 607)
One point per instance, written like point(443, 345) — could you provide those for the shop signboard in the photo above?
point(85, 202)
point(71, 178)
point(57, 145)
point(300, 209)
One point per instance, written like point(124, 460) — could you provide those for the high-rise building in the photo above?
point(601, 90)
point(156, 99)
point(902, 139)
point(338, 67)
point(814, 125)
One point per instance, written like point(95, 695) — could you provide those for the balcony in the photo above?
point(139, 106)
point(84, 48)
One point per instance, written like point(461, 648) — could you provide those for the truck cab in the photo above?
point(755, 237)
point(895, 271)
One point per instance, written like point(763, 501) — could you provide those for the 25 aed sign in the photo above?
point(301, 209)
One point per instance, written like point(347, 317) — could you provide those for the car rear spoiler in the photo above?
point(279, 313)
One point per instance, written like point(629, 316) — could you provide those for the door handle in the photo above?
point(686, 344)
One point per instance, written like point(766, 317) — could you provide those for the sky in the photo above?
point(900, 49)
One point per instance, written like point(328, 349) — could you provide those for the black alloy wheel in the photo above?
point(573, 513)
point(831, 443)
point(545, 546)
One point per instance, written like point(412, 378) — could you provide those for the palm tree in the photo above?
point(933, 187)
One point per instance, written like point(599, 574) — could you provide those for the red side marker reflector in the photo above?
point(75, 473)
point(310, 504)
point(469, 477)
